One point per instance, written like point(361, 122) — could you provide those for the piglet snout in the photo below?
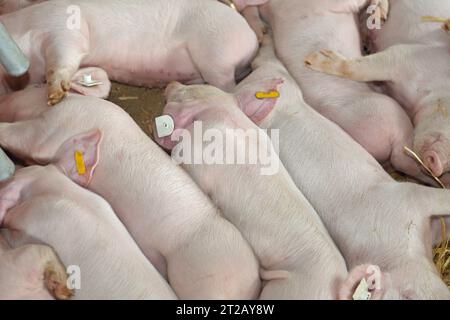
point(434, 162)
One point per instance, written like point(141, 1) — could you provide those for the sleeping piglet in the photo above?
point(297, 256)
point(374, 120)
point(382, 227)
point(42, 205)
point(413, 62)
point(176, 226)
point(139, 42)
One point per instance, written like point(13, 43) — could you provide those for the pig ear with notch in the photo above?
point(258, 99)
point(92, 82)
point(242, 4)
point(79, 156)
point(365, 282)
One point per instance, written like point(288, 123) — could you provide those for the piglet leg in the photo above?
point(251, 14)
point(64, 54)
point(376, 67)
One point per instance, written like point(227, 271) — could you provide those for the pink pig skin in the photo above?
point(249, 10)
point(139, 42)
point(172, 221)
point(31, 272)
point(372, 218)
point(374, 120)
point(298, 258)
point(420, 79)
point(414, 64)
point(8, 6)
point(84, 230)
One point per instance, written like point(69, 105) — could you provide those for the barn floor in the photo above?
point(142, 104)
point(145, 104)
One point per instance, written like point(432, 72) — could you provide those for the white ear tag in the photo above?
point(164, 126)
point(362, 291)
point(87, 81)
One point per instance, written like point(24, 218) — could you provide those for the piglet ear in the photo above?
point(258, 99)
point(98, 87)
point(377, 283)
point(78, 157)
point(242, 4)
point(183, 115)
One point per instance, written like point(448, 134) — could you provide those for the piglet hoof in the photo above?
point(383, 6)
point(56, 96)
point(326, 61)
point(58, 86)
point(55, 279)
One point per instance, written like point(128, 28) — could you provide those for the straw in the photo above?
point(433, 19)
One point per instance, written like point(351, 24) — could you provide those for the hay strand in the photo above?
point(433, 19)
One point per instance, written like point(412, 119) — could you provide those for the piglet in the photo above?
point(413, 61)
point(31, 272)
point(41, 204)
point(374, 120)
point(382, 227)
point(139, 42)
point(297, 256)
point(173, 222)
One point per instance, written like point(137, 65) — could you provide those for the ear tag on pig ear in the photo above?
point(87, 81)
point(362, 291)
point(79, 161)
point(268, 95)
point(164, 126)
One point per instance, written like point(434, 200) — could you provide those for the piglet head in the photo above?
point(187, 104)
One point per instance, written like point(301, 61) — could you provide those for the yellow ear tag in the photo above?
point(268, 95)
point(79, 160)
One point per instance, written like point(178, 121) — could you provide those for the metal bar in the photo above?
point(11, 57)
